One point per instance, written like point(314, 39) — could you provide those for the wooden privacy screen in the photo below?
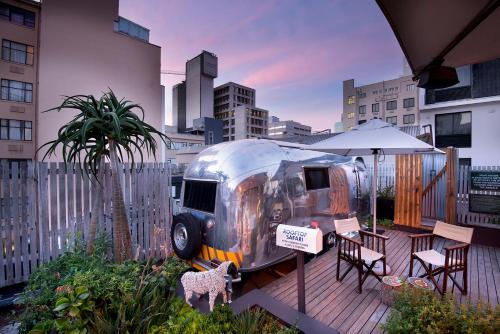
point(410, 196)
point(408, 191)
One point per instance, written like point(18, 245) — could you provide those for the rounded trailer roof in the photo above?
point(229, 160)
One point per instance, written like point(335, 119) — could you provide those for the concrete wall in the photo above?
point(80, 53)
point(485, 134)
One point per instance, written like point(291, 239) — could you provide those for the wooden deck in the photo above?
point(338, 305)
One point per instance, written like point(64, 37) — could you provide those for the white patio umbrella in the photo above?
point(373, 137)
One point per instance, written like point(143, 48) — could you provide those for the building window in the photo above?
point(210, 137)
point(392, 105)
point(454, 129)
point(375, 107)
point(17, 52)
point(410, 87)
point(11, 129)
point(351, 99)
point(131, 29)
point(362, 110)
point(392, 120)
point(409, 102)
point(350, 115)
point(362, 95)
point(409, 119)
point(16, 91)
point(17, 15)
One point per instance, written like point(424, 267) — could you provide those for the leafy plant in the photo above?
point(385, 192)
point(387, 223)
point(417, 311)
point(250, 321)
point(106, 128)
point(74, 309)
point(128, 297)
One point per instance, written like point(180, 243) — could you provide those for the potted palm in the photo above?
point(105, 128)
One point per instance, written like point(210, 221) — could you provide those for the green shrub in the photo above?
point(416, 311)
point(128, 297)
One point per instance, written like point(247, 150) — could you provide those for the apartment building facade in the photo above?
point(59, 48)
point(394, 101)
point(19, 25)
point(234, 105)
point(467, 115)
point(285, 129)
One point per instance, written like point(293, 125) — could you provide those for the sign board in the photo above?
point(485, 180)
point(304, 239)
point(484, 203)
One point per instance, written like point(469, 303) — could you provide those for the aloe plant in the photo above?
point(106, 128)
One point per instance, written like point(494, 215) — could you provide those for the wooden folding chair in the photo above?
point(363, 253)
point(435, 263)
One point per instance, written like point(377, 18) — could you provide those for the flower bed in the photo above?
point(418, 311)
point(80, 293)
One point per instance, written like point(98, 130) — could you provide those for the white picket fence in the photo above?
point(46, 206)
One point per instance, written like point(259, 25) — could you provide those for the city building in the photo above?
point(231, 95)
point(200, 74)
point(467, 114)
point(59, 48)
point(210, 128)
point(19, 25)
point(394, 101)
point(234, 105)
point(179, 141)
point(179, 106)
point(284, 129)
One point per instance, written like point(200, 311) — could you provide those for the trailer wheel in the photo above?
point(185, 235)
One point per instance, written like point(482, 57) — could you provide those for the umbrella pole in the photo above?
point(374, 186)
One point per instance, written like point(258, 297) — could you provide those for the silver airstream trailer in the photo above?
point(235, 194)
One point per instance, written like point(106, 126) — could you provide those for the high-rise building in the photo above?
point(284, 129)
point(394, 101)
point(58, 48)
point(200, 74)
point(467, 114)
point(234, 104)
point(179, 106)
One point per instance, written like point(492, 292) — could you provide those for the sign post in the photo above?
point(301, 239)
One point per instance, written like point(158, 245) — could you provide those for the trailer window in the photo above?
point(200, 195)
point(316, 178)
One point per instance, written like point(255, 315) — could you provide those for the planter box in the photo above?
point(385, 208)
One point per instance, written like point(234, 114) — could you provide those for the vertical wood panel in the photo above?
point(62, 207)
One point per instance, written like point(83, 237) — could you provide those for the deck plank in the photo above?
point(338, 304)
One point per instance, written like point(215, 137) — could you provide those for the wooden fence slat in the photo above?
point(32, 221)
point(62, 207)
point(24, 225)
point(15, 223)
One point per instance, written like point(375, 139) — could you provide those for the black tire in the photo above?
point(190, 227)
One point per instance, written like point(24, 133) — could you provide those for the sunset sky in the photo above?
point(295, 53)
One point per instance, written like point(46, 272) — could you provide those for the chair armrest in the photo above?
point(422, 235)
point(371, 234)
point(457, 246)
